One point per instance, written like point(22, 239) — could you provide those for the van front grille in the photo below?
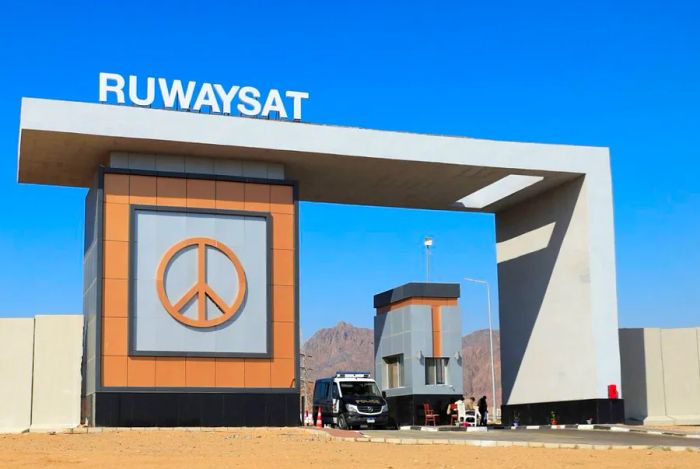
point(369, 409)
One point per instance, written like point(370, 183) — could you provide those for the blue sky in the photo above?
point(620, 74)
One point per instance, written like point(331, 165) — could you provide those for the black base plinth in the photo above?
point(408, 410)
point(567, 412)
point(143, 409)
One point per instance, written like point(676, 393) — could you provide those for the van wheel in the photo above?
point(342, 423)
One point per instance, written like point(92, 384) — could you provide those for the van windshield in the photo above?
point(358, 388)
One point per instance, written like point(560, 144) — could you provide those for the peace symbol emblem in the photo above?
point(201, 290)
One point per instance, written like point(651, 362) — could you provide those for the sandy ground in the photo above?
point(286, 448)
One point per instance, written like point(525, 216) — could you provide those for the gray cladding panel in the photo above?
point(155, 330)
point(91, 299)
point(451, 326)
point(196, 165)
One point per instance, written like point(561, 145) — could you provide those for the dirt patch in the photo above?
point(293, 448)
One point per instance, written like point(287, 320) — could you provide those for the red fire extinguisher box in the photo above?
point(612, 391)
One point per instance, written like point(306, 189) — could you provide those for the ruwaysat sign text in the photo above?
point(197, 97)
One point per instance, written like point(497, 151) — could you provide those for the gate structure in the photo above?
point(160, 177)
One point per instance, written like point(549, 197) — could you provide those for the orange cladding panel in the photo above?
point(142, 190)
point(230, 195)
point(118, 369)
point(257, 373)
point(201, 193)
point(257, 197)
point(437, 331)
point(171, 192)
point(114, 371)
point(170, 372)
point(230, 372)
point(283, 303)
point(116, 188)
point(141, 371)
point(116, 298)
point(200, 372)
point(282, 373)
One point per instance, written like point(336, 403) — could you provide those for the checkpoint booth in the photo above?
point(418, 359)
point(191, 252)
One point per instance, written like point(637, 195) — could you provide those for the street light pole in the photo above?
point(493, 370)
point(427, 242)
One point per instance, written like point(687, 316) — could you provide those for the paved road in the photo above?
point(589, 437)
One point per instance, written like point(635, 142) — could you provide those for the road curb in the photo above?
point(501, 443)
point(583, 427)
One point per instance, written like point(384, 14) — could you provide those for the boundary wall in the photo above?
point(40, 362)
point(661, 375)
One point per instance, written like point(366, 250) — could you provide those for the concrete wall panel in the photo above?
point(681, 374)
point(57, 359)
point(633, 386)
point(16, 352)
point(655, 396)
point(661, 375)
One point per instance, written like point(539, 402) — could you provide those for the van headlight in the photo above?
point(385, 408)
point(351, 408)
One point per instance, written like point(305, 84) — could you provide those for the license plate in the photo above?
point(370, 420)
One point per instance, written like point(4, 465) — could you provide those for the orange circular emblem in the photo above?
point(201, 290)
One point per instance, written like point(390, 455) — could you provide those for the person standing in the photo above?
point(483, 408)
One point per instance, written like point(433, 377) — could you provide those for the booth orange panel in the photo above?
point(436, 305)
point(121, 370)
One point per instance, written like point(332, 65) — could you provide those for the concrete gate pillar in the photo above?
point(558, 305)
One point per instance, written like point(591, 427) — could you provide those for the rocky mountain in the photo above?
point(346, 347)
point(477, 364)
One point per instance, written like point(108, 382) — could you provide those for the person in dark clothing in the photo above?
point(483, 408)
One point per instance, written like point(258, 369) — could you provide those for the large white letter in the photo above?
point(226, 98)
point(169, 94)
point(274, 103)
point(248, 95)
point(206, 97)
point(134, 91)
point(116, 87)
point(297, 96)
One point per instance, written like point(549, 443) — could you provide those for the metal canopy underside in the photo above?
point(62, 143)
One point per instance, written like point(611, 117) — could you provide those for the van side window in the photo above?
point(320, 389)
point(334, 391)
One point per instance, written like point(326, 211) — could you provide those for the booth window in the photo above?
point(394, 371)
point(436, 370)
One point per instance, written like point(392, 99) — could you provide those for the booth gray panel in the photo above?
point(452, 346)
point(409, 331)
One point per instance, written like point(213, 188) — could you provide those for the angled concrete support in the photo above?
point(558, 303)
